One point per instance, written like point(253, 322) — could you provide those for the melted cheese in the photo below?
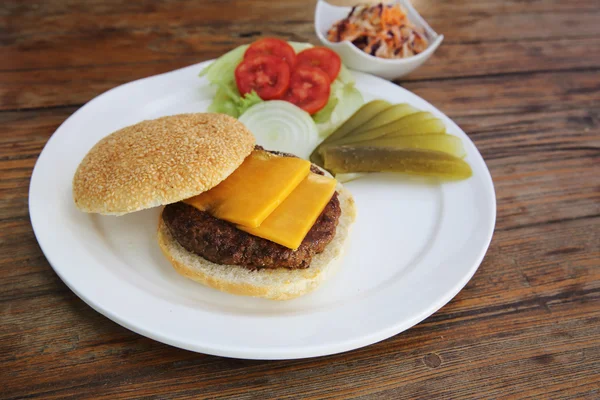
point(289, 223)
point(254, 190)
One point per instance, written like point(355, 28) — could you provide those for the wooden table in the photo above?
point(521, 78)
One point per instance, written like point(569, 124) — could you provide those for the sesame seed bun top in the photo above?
point(159, 162)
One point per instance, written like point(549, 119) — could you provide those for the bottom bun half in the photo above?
point(274, 284)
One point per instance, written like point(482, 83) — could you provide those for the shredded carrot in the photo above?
point(392, 16)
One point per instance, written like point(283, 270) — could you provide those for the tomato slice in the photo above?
point(309, 89)
point(322, 58)
point(269, 76)
point(272, 47)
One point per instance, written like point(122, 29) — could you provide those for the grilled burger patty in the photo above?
point(222, 243)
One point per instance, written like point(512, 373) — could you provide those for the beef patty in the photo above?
point(222, 243)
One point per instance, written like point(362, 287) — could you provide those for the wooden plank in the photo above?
point(486, 7)
point(528, 93)
point(456, 60)
point(36, 40)
point(51, 17)
point(515, 340)
point(77, 85)
point(533, 158)
point(265, 9)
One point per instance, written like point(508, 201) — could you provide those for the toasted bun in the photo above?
point(275, 284)
point(159, 162)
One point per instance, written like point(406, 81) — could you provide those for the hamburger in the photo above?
point(235, 217)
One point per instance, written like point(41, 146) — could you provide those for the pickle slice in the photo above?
point(408, 125)
point(392, 114)
point(443, 143)
point(347, 159)
point(360, 117)
point(429, 127)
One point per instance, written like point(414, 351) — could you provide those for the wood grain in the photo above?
point(521, 78)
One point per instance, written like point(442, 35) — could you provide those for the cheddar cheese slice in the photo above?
point(289, 223)
point(254, 190)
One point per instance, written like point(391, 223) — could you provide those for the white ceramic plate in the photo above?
point(414, 245)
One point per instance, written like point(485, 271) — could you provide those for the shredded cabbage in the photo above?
point(343, 101)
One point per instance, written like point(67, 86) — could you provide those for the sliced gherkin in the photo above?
point(391, 114)
point(429, 127)
point(351, 159)
point(360, 117)
point(408, 125)
point(443, 143)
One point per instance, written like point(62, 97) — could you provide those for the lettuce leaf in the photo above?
point(248, 101)
point(323, 115)
point(344, 100)
point(225, 100)
point(222, 70)
point(228, 100)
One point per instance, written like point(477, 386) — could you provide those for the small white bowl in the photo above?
point(353, 57)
